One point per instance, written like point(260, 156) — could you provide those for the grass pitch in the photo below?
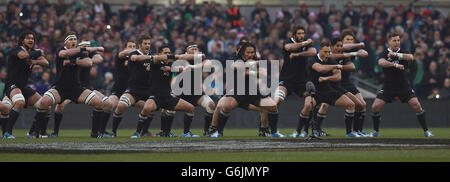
point(237, 137)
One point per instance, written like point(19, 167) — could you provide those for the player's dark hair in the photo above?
point(239, 45)
point(393, 34)
point(242, 50)
point(190, 43)
point(244, 38)
point(126, 42)
point(160, 50)
point(24, 34)
point(347, 32)
point(325, 43)
point(296, 28)
point(69, 33)
point(142, 38)
point(335, 40)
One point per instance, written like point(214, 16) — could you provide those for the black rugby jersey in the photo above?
point(19, 70)
point(325, 85)
point(295, 70)
point(85, 73)
point(68, 75)
point(394, 77)
point(139, 77)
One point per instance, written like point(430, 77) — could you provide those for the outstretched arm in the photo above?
point(296, 46)
point(325, 68)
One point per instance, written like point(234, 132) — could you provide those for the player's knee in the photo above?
point(350, 106)
point(120, 108)
point(363, 106)
point(307, 107)
point(20, 104)
point(358, 106)
point(96, 103)
point(4, 109)
point(416, 106)
point(146, 110)
point(45, 103)
point(375, 108)
point(190, 109)
point(107, 105)
point(227, 108)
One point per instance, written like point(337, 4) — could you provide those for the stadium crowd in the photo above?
point(216, 28)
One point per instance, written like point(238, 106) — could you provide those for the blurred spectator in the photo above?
point(44, 84)
point(445, 90)
point(234, 14)
point(2, 79)
point(215, 41)
point(352, 14)
point(108, 83)
point(432, 79)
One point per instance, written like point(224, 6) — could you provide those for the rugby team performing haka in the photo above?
point(153, 82)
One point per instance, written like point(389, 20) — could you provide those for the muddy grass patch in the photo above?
point(224, 146)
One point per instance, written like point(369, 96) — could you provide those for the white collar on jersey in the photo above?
point(319, 57)
point(293, 40)
point(389, 49)
point(141, 52)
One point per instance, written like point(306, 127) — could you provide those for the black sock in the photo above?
point(45, 124)
point(361, 120)
point(41, 117)
point(260, 127)
point(116, 121)
point(13, 115)
point(146, 125)
point(302, 121)
point(58, 119)
point(308, 123)
point(273, 121)
point(222, 120)
point(163, 122)
point(169, 121)
point(376, 116)
point(187, 122)
point(33, 126)
point(348, 121)
point(140, 123)
point(104, 121)
point(319, 121)
point(356, 121)
point(3, 121)
point(421, 117)
point(96, 119)
point(208, 120)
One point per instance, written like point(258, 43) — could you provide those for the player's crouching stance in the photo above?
point(161, 96)
point(121, 75)
point(324, 72)
point(394, 62)
point(247, 101)
point(67, 85)
point(21, 59)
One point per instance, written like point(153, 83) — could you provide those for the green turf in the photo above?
point(316, 156)
point(124, 135)
point(438, 155)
